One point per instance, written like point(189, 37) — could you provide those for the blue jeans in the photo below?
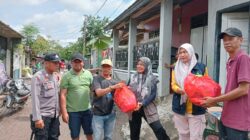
point(103, 124)
point(227, 133)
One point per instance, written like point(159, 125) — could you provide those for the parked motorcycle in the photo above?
point(18, 93)
point(13, 93)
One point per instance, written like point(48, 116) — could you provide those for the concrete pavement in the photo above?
point(16, 125)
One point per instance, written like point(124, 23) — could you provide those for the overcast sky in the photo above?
point(60, 19)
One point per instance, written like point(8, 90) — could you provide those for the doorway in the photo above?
point(241, 21)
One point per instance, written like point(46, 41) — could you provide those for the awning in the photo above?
point(8, 32)
point(140, 7)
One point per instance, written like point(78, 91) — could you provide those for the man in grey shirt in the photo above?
point(45, 100)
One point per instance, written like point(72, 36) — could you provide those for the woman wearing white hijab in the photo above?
point(189, 119)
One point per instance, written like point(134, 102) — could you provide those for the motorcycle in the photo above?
point(18, 93)
point(13, 93)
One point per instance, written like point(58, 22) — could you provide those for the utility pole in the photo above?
point(84, 34)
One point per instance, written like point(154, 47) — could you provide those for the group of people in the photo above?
point(189, 119)
point(86, 101)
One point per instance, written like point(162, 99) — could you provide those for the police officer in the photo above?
point(45, 100)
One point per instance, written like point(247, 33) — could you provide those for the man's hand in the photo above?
point(116, 86)
point(209, 102)
point(139, 105)
point(39, 124)
point(65, 117)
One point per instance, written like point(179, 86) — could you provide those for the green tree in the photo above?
point(40, 46)
point(72, 48)
point(30, 32)
point(54, 46)
point(96, 37)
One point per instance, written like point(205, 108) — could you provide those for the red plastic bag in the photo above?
point(198, 87)
point(125, 99)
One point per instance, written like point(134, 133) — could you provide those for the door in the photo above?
point(199, 41)
point(240, 21)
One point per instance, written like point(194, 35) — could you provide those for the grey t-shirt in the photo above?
point(102, 105)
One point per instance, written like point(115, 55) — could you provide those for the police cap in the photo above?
point(52, 57)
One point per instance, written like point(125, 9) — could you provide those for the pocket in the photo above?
point(89, 113)
point(49, 85)
point(176, 103)
point(176, 100)
point(40, 132)
point(150, 109)
point(202, 125)
point(49, 93)
point(48, 89)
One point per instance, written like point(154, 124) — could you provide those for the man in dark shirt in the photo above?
point(103, 105)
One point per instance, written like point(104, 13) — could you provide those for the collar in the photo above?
point(239, 52)
point(74, 73)
point(46, 75)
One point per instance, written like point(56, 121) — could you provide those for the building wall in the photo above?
point(182, 15)
point(153, 25)
point(214, 6)
point(8, 63)
point(16, 58)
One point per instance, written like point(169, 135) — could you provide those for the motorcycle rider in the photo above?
point(45, 100)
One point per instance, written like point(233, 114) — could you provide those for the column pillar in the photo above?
point(165, 45)
point(131, 44)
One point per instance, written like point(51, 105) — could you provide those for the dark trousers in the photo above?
point(50, 131)
point(135, 127)
point(227, 133)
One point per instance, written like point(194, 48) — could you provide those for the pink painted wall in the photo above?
point(194, 8)
point(186, 12)
point(153, 25)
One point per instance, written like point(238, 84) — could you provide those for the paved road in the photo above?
point(16, 126)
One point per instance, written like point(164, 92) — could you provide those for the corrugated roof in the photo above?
point(7, 31)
